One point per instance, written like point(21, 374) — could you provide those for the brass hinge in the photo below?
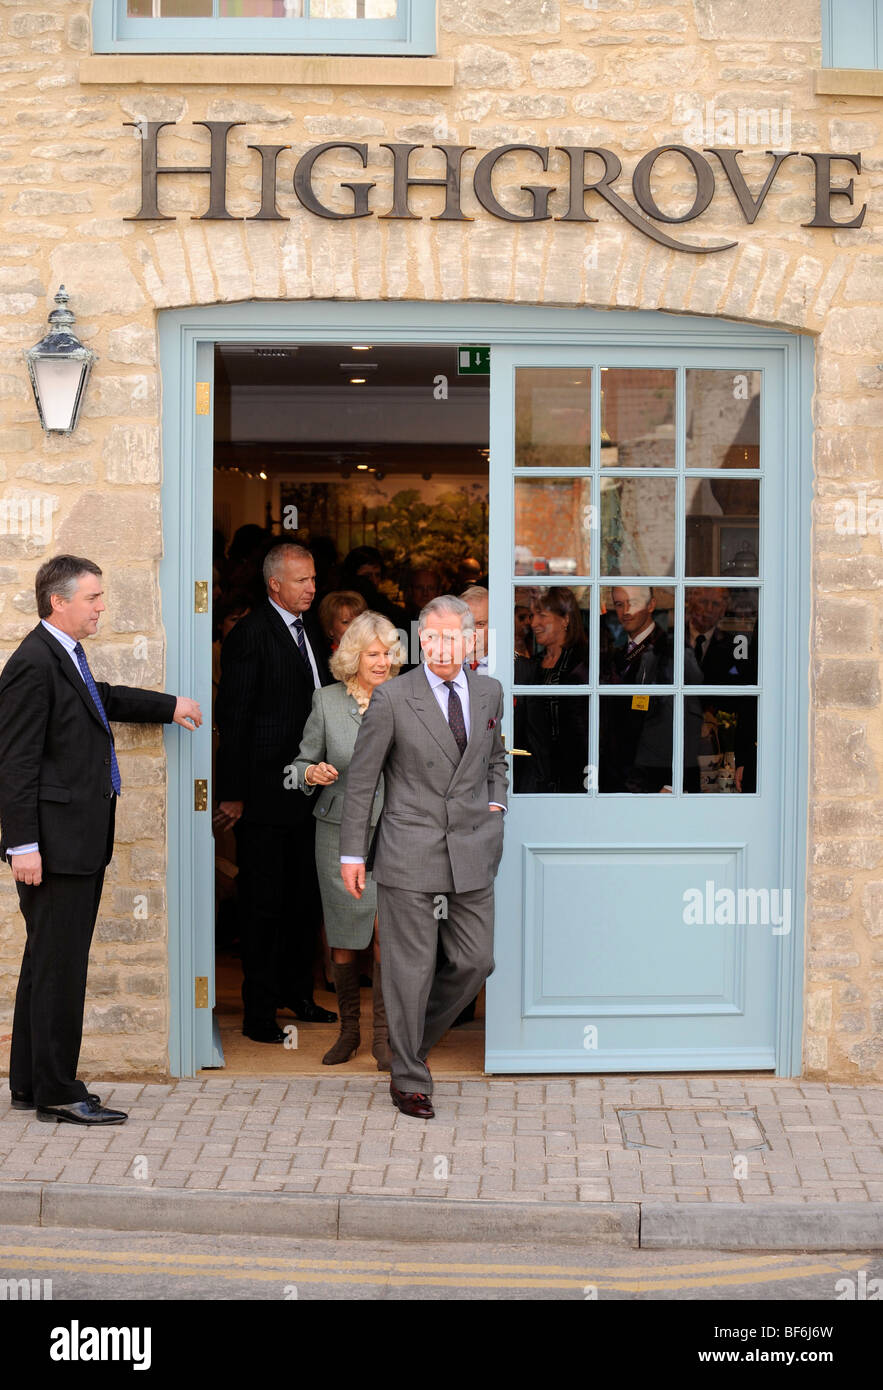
point(203, 398)
point(201, 991)
point(200, 794)
point(200, 596)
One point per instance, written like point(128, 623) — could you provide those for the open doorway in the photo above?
point(376, 458)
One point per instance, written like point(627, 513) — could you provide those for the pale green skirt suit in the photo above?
point(329, 737)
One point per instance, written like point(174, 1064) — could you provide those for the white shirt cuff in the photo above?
point(23, 849)
point(351, 859)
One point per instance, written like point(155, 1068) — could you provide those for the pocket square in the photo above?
point(492, 723)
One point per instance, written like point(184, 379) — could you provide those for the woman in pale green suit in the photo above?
point(369, 654)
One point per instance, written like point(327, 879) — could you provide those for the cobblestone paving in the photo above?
point(586, 1139)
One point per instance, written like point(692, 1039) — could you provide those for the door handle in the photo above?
point(514, 752)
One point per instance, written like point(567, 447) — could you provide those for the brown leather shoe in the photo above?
point(413, 1103)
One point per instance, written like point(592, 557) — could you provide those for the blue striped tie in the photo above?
point(96, 700)
point(298, 626)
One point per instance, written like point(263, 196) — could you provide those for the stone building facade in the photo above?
point(627, 75)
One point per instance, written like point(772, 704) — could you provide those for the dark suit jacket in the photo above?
point(55, 783)
point(264, 698)
point(720, 665)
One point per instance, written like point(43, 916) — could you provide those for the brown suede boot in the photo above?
point(380, 1047)
point(346, 981)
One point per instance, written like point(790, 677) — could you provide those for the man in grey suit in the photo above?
point(434, 733)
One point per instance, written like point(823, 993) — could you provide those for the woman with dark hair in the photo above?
point(364, 571)
point(555, 731)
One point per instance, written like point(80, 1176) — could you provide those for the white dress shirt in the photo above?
point(289, 619)
point(442, 694)
point(68, 643)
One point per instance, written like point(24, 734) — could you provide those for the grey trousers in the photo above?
point(421, 1004)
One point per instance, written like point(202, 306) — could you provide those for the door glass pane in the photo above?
point(636, 632)
point(720, 743)
point(635, 743)
point(169, 9)
point(352, 9)
point(554, 731)
point(723, 516)
point(720, 636)
point(258, 9)
point(553, 518)
point(637, 417)
point(637, 525)
point(551, 635)
point(723, 419)
point(552, 421)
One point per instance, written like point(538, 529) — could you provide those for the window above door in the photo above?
point(852, 34)
point(384, 27)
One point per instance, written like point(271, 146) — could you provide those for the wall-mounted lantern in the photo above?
point(59, 367)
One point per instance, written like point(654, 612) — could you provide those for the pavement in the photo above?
point(710, 1161)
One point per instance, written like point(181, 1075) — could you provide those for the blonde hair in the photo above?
point(358, 635)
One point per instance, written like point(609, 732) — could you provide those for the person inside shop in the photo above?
point(468, 573)
point(370, 653)
point(364, 570)
point(635, 732)
point(714, 651)
point(555, 731)
point(420, 584)
point(336, 612)
point(714, 656)
point(271, 663)
point(478, 599)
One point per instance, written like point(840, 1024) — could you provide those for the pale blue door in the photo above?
point(646, 559)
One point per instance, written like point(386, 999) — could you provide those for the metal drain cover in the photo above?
point(692, 1129)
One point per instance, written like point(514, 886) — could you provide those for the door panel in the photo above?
point(638, 521)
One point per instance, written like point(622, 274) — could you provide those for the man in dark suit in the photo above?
point(636, 732)
point(271, 663)
point(716, 653)
point(59, 783)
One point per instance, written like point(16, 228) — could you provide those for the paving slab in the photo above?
point(766, 1161)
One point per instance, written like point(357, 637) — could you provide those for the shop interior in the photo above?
point(340, 447)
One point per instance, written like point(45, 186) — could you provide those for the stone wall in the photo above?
point(627, 74)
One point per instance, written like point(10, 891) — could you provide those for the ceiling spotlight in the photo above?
point(362, 467)
point(263, 475)
point(361, 347)
point(358, 380)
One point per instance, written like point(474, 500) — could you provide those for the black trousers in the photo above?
point(47, 1026)
point(280, 912)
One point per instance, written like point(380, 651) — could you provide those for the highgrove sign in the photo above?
point(700, 166)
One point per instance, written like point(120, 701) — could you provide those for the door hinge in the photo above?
point(203, 397)
point(200, 794)
point(200, 596)
point(201, 991)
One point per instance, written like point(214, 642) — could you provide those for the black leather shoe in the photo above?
point(413, 1103)
point(308, 1011)
point(263, 1032)
point(20, 1100)
point(81, 1112)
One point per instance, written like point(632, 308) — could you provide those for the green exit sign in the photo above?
point(473, 361)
